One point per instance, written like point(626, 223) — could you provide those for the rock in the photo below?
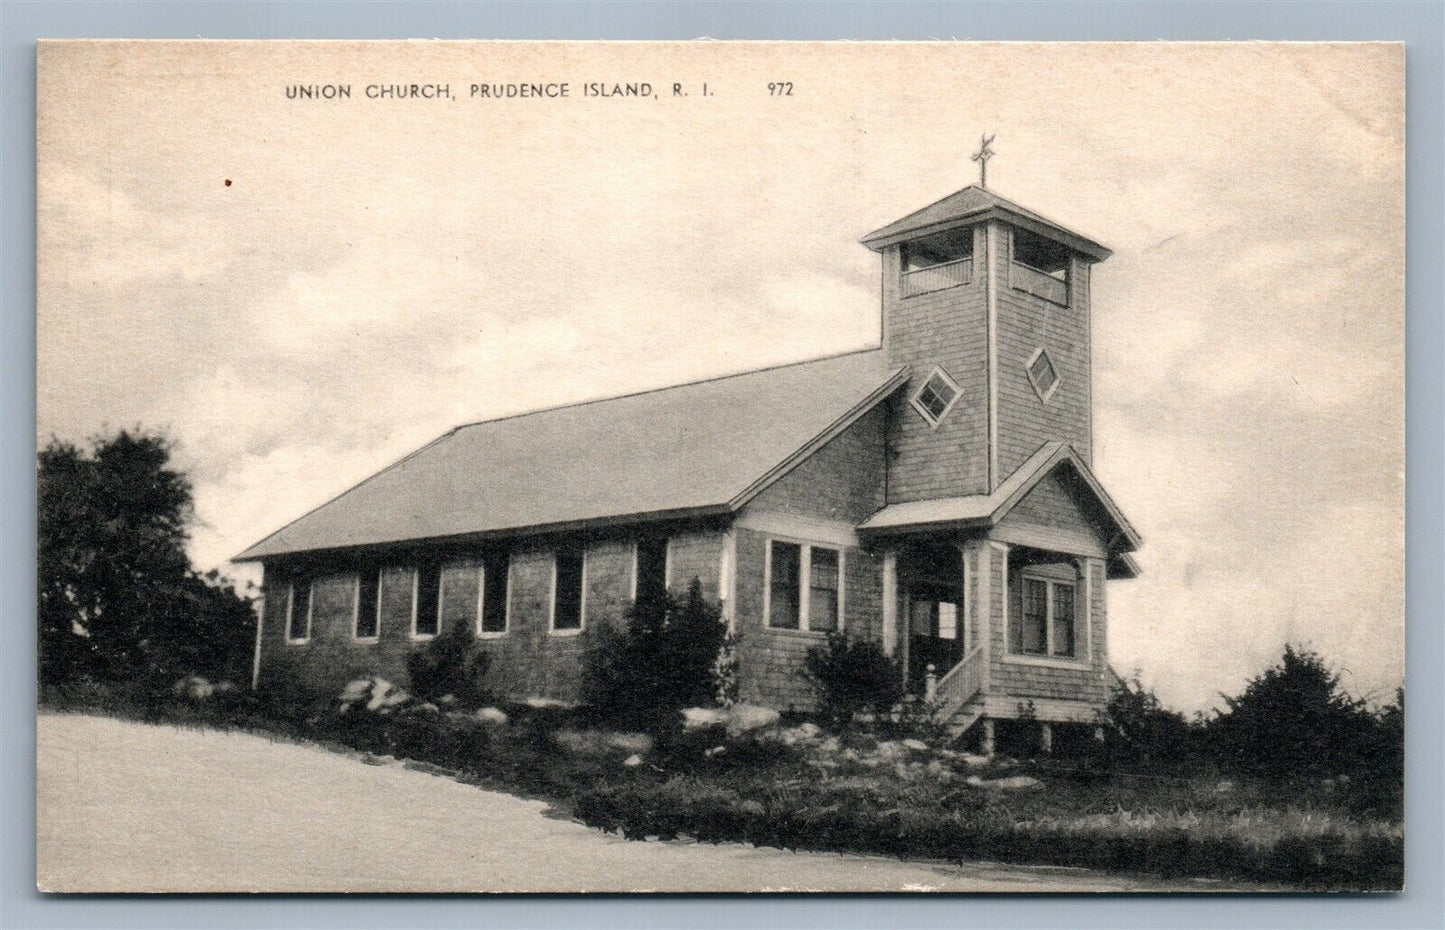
point(630, 742)
point(547, 703)
point(632, 761)
point(808, 730)
point(1224, 787)
point(889, 749)
point(355, 690)
point(917, 745)
point(698, 718)
point(491, 715)
point(973, 761)
point(194, 688)
point(831, 744)
point(714, 751)
point(447, 700)
point(1012, 783)
point(428, 707)
point(744, 718)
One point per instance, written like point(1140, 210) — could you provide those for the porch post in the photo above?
point(890, 601)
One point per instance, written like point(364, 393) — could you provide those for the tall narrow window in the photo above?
point(458, 593)
point(784, 571)
point(298, 618)
point(496, 588)
point(1063, 620)
point(1035, 618)
point(651, 567)
point(823, 587)
point(567, 591)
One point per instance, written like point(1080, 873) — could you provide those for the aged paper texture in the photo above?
point(720, 466)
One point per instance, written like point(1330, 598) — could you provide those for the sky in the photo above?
point(378, 271)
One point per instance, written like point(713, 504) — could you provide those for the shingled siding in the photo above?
point(949, 329)
point(843, 481)
point(1016, 677)
point(1026, 323)
point(528, 660)
point(772, 661)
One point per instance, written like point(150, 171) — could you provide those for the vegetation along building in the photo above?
point(933, 493)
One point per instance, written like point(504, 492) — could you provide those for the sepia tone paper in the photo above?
point(306, 261)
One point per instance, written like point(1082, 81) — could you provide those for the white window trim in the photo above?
point(581, 601)
point(1029, 371)
point(805, 586)
point(356, 621)
point(482, 594)
point(290, 611)
point(923, 411)
point(1080, 658)
point(415, 588)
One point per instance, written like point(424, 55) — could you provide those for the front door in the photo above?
point(935, 631)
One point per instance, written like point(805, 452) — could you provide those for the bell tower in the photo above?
point(988, 303)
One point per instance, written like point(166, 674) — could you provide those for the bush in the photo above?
point(451, 664)
point(1139, 730)
point(1291, 721)
point(852, 675)
point(643, 674)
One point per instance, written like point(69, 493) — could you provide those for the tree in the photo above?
point(117, 596)
point(1293, 720)
point(1141, 730)
point(661, 661)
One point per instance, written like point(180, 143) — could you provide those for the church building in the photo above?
point(934, 493)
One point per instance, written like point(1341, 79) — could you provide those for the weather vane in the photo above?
point(982, 156)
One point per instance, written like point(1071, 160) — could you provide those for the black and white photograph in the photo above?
point(715, 466)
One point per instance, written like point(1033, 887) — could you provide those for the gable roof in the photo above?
point(989, 509)
point(971, 205)
point(690, 450)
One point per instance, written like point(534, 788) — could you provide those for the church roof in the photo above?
point(690, 450)
point(971, 205)
point(989, 509)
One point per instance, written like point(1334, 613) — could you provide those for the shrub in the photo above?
point(642, 674)
point(1140, 730)
point(450, 664)
point(1293, 720)
point(852, 675)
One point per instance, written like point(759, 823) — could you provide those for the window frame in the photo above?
point(1049, 581)
point(923, 411)
point(1044, 395)
point(666, 566)
point(356, 614)
point(552, 629)
point(805, 586)
point(1068, 271)
point(291, 614)
point(484, 596)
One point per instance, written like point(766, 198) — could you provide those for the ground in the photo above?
point(124, 806)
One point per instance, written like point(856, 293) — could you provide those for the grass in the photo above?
point(855, 795)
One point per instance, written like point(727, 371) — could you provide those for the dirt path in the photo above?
point(130, 807)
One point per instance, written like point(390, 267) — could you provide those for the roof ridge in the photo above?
point(665, 387)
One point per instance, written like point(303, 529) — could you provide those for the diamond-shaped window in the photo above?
point(1042, 374)
point(936, 397)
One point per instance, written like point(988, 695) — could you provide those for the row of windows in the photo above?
point(474, 592)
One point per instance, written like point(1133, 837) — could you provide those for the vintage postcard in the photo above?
point(720, 466)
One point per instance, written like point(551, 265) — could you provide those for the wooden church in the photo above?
point(933, 493)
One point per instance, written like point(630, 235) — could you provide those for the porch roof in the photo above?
point(985, 510)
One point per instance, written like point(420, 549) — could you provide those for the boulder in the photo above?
point(546, 703)
point(630, 742)
point(355, 690)
point(744, 718)
point(632, 761)
point(1012, 783)
point(491, 715)
point(917, 745)
point(699, 718)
